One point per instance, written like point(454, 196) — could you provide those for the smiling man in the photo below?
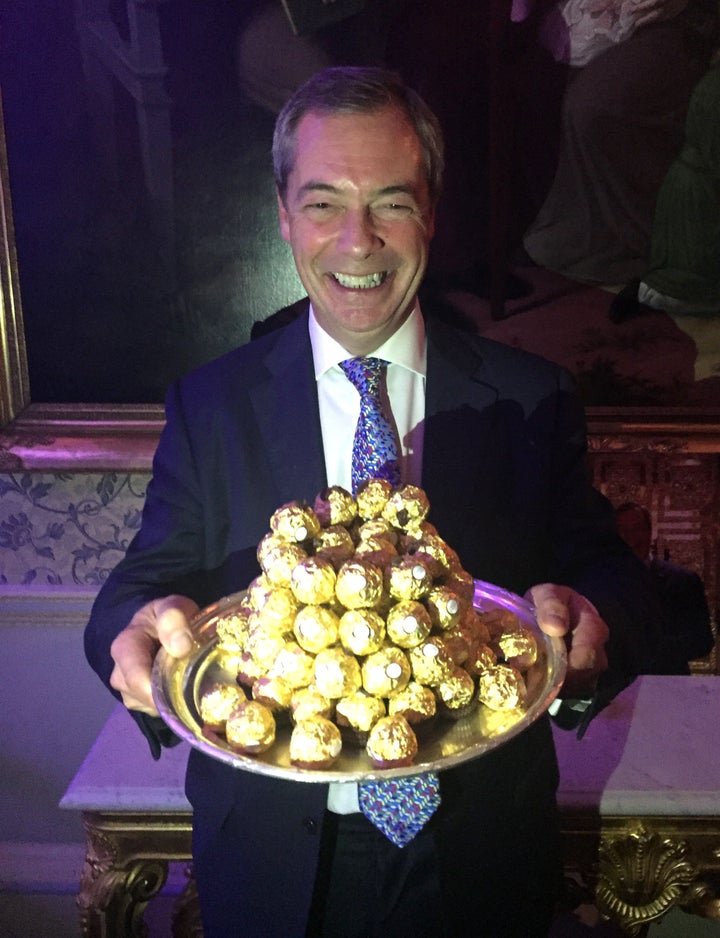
point(496, 437)
point(359, 219)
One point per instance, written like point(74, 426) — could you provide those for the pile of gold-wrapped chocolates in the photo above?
point(360, 631)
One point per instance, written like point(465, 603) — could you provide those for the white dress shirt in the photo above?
point(339, 403)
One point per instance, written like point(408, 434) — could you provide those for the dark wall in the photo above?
point(113, 309)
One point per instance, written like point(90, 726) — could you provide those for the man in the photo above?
point(496, 438)
point(687, 632)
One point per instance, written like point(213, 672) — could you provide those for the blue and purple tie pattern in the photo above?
point(399, 807)
point(375, 453)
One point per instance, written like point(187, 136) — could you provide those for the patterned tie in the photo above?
point(374, 452)
point(397, 807)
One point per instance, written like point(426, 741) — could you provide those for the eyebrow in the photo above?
point(317, 186)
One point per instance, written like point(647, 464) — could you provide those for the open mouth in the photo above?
point(366, 282)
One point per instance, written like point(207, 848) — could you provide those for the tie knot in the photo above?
point(365, 374)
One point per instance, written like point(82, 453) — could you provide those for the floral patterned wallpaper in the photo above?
point(66, 529)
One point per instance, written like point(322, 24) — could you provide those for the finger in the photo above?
point(552, 610)
point(589, 637)
point(172, 624)
point(133, 652)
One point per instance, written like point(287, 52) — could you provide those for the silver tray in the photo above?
point(178, 684)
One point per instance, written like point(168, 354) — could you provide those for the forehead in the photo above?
point(366, 147)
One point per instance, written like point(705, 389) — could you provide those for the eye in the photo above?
point(393, 210)
point(317, 211)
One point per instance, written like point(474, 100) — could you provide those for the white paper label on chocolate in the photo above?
point(301, 533)
point(356, 581)
point(393, 670)
point(418, 572)
point(430, 651)
point(309, 629)
point(409, 625)
point(361, 631)
point(452, 606)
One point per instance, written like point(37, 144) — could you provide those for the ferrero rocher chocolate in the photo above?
point(385, 672)
point(431, 662)
point(518, 648)
point(407, 507)
point(277, 614)
point(359, 584)
point(376, 550)
point(294, 665)
point(362, 618)
point(279, 560)
point(482, 658)
point(457, 693)
point(371, 497)
point(272, 691)
point(315, 628)
point(295, 521)
point(416, 702)
point(250, 727)
point(362, 631)
point(232, 630)
point(408, 623)
point(359, 712)
point(392, 742)
point(501, 688)
point(334, 544)
point(335, 505)
point(444, 607)
point(315, 743)
point(309, 702)
point(409, 578)
point(217, 702)
point(336, 673)
point(313, 581)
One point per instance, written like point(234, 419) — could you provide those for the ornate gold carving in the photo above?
point(126, 865)
point(186, 922)
point(642, 875)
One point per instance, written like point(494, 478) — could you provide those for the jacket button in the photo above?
point(310, 825)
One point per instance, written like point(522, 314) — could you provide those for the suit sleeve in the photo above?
point(165, 557)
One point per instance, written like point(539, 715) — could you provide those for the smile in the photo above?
point(366, 282)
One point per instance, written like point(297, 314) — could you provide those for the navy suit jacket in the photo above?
point(504, 469)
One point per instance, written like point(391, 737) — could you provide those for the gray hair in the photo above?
point(357, 90)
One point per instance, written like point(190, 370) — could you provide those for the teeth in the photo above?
point(361, 283)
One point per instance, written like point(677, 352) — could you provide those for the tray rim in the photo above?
point(165, 665)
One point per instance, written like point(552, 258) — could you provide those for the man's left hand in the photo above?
point(562, 611)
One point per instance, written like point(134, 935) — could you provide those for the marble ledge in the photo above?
point(654, 751)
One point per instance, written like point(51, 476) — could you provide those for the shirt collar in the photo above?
point(405, 347)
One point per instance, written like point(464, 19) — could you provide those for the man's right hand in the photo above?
point(162, 622)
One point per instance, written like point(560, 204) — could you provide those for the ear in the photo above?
point(284, 218)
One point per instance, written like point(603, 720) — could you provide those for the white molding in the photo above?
point(41, 867)
point(48, 608)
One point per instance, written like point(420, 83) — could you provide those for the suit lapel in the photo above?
point(286, 409)
point(456, 391)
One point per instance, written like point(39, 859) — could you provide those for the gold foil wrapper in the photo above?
point(295, 521)
point(250, 728)
point(359, 585)
point(392, 741)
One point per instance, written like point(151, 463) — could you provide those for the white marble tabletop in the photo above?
point(119, 774)
point(654, 751)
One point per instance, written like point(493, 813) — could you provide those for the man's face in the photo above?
point(357, 215)
point(634, 530)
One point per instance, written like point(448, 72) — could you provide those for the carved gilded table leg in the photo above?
point(126, 865)
point(648, 865)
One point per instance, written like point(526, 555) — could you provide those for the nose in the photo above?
point(358, 234)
